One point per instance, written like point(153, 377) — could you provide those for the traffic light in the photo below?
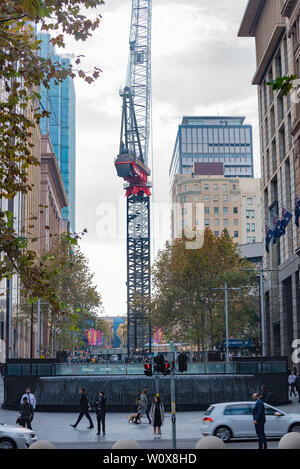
point(148, 369)
point(182, 362)
point(159, 363)
point(167, 368)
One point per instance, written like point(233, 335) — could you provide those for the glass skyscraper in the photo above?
point(59, 100)
point(224, 140)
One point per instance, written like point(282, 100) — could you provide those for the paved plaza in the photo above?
point(55, 427)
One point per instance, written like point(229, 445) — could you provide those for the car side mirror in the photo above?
point(278, 414)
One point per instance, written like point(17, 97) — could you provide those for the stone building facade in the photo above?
point(275, 26)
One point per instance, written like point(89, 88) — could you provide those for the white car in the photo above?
point(15, 437)
point(235, 420)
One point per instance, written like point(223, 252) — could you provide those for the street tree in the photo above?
point(186, 300)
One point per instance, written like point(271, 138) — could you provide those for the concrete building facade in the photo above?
point(275, 26)
point(217, 202)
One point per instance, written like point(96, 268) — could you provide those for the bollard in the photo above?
point(210, 442)
point(126, 444)
point(42, 444)
point(290, 441)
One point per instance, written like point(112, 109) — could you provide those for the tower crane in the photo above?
point(132, 165)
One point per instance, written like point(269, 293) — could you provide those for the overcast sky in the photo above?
point(199, 67)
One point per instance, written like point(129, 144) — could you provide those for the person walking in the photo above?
point(143, 407)
point(292, 380)
point(85, 408)
point(139, 410)
point(26, 410)
point(100, 412)
point(31, 399)
point(259, 420)
point(157, 415)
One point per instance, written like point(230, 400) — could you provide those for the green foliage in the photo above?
point(22, 71)
point(285, 84)
point(187, 301)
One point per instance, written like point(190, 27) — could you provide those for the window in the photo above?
point(216, 198)
point(195, 187)
point(225, 209)
point(206, 198)
point(248, 240)
point(252, 226)
point(249, 201)
point(239, 410)
point(185, 188)
point(216, 209)
point(236, 222)
point(196, 198)
point(217, 233)
point(206, 210)
point(248, 227)
point(215, 187)
point(235, 198)
point(225, 222)
point(234, 187)
point(225, 198)
point(253, 239)
point(206, 222)
point(235, 210)
point(206, 187)
point(225, 187)
point(216, 222)
point(236, 234)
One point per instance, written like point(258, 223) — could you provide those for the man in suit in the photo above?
point(259, 420)
point(84, 409)
point(100, 411)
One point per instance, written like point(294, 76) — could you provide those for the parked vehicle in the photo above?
point(235, 420)
point(15, 437)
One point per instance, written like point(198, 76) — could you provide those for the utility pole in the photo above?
point(226, 321)
point(173, 395)
point(38, 348)
point(8, 331)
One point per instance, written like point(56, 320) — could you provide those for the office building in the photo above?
point(217, 202)
point(59, 100)
point(226, 140)
point(275, 26)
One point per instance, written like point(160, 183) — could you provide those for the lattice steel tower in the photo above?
point(132, 166)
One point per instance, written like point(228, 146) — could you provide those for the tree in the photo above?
point(185, 300)
point(22, 71)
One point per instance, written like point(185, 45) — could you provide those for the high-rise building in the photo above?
point(210, 200)
point(275, 25)
point(225, 140)
point(59, 100)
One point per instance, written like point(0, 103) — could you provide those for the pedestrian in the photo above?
point(292, 380)
point(26, 410)
point(85, 408)
point(3, 371)
point(143, 407)
point(157, 415)
point(139, 410)
point(31, 399)
point(297, 386)
point(259, 420)
point(100, 412)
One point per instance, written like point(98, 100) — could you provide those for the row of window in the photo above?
point(215, 187)
point(216, 198)
point(217, 222)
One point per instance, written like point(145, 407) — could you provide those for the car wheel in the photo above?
point(7, 443)
point(295, 427)
point(224, 433)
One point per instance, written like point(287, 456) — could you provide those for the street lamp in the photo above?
point(226, 312)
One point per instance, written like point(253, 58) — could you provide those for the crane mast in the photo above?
point(132, 165)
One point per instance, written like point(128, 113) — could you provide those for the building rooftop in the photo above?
point(186, 120)
point(250, 18)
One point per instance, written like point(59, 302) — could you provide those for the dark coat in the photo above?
point(84, 403)
point(26, 411)
point(297, 383)
point(103, 405)
point(259, 412)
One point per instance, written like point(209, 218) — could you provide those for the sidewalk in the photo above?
point(55, 427)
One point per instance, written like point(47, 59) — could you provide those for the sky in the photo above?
point(199, 67)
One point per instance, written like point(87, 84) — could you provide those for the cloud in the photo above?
point(199, 66)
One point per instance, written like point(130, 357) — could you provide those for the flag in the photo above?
point(297, 210)
point(285, 219)
point(276, 229)
point(269, 236)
